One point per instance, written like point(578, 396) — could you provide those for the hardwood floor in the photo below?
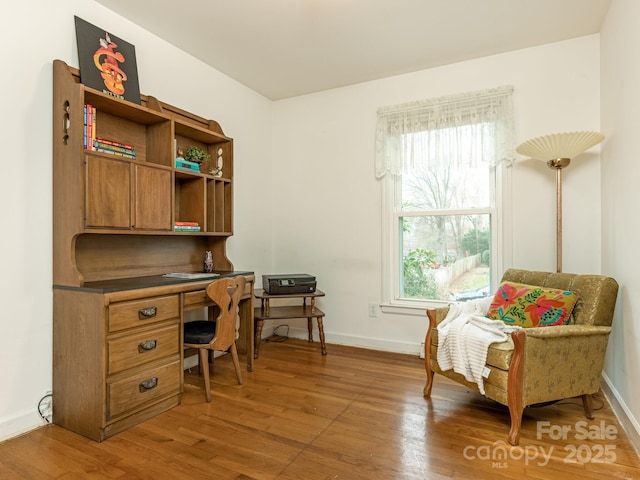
point(353, 414)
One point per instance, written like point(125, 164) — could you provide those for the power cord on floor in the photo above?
point(276, 337)
point(45, 407)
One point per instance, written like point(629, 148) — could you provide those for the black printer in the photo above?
point(289, 283)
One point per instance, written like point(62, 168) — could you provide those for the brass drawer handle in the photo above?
point(147, 345)
point(149, 312)
point(148, 384)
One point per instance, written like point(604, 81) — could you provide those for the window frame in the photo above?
point(500, 212)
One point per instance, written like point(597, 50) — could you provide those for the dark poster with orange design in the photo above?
point(107, 63)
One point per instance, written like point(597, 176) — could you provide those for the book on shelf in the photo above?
point(89, 119)
point(186, 228)
point(106, 141)
point(94, 114)
point(187, 165)
point(99, 143)
point(186, 224)
point(111, 147)
point(114, 152)
point(86, 126)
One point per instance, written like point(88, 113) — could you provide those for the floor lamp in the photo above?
point(557, 150)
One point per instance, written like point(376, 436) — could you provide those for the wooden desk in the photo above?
point(117, 349)
point(267, 312)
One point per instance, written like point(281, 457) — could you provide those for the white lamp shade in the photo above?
point(559, 145)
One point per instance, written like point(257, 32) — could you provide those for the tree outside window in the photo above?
point(444, 156)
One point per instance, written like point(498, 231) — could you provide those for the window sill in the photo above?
point(416, 309)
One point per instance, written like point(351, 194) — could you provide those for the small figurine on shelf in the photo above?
point(208, 262)
point(180, 154)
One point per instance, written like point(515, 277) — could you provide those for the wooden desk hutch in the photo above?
point(117, 320)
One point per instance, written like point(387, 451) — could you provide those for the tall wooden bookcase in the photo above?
point(117, 336)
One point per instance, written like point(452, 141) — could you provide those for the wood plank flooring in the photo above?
point(354, 414)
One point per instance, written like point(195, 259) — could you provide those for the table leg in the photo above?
point(258, 338)
point(321, 335)
point(310, 328)
point(246, 334)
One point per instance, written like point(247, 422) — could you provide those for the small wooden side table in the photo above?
point(267, 312)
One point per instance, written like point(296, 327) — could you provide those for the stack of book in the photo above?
point(186, 227)
point(114, 148)
point(89, 126)
point(93, 142)
point(187, 165)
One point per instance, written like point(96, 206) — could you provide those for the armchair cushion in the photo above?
point(531, 306)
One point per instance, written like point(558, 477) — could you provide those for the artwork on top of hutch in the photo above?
point(107, 63)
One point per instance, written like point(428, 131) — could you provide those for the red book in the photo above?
point(187, 224)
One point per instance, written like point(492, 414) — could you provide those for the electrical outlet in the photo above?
point(374, 310)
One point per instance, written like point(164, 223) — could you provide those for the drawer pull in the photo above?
point(148, 384)
point(148, 312)
point(147, 345)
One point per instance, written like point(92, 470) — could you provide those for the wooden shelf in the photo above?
point(111, 195)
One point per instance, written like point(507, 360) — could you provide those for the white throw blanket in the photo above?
point(464, 337)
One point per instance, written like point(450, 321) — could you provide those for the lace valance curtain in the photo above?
point(465, 129)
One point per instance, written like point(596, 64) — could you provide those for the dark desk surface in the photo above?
point(122, 284)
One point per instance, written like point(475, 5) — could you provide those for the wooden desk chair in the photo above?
point(218, 334)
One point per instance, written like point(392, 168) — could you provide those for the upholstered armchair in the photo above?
point(544, 364)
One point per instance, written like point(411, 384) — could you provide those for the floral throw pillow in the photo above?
point(531, 306)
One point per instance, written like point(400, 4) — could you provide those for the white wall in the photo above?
point(621, 195)
point(35, 33)
point(306, 197)
point(326, 201)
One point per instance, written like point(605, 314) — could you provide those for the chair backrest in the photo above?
point(226, 293)
point(596, 293)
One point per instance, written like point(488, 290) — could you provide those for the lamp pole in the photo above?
point(558, 164)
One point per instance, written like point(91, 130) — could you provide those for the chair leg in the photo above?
point(515, 382)
point(204, 365)
point(427, 353)
point(587, 402)
point(427, 365)
point(236, 362)
point(516, 422)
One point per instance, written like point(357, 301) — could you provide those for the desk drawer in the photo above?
point(139, 348)
point(199, 298)
point(133, 392)
point(142, 312)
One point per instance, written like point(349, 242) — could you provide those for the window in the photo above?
point(443, 163)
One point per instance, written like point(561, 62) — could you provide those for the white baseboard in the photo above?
point(622, 412)
point(354, 341)
point(19, 424)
